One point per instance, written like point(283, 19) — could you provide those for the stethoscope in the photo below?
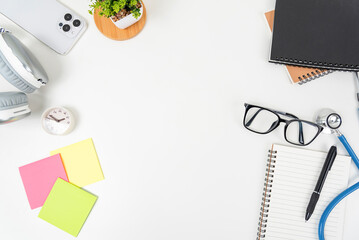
point(331, 121)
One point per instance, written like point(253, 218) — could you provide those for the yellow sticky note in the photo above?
point(67, 207)
point(81, 163)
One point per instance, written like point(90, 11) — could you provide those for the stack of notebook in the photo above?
point(316, 34)
point(298, 74)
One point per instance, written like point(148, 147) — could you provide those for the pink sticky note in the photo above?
point(39, 177)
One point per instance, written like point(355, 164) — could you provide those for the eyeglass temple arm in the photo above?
point(301, 135)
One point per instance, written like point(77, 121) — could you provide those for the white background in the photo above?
point(164, 110)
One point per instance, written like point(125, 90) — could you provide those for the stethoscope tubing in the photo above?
point(342, 195)
point(331, 206)
point(351, 152)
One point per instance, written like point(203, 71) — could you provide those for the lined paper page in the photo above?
point(295, 175)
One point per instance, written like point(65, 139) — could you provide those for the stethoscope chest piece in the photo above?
point(329, 120)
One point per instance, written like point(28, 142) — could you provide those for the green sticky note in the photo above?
point(67, 207)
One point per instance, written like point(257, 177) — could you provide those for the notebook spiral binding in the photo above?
point(313, 75)
point(268, 183)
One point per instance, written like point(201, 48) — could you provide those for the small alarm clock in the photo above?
point(57, 121)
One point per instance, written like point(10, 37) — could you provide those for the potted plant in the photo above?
point(123, 13)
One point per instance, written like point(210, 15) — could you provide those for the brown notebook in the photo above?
point(297, 74)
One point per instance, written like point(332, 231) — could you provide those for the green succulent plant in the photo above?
point(109, 8)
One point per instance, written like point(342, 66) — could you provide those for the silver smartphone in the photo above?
point(48, 20)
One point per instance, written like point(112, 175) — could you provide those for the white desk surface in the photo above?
point(165, 110)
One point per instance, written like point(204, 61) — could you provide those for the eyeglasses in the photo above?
point(264, 120)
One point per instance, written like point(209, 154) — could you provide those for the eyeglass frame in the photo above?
point(281, 120)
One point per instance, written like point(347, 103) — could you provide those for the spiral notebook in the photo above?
point(298, 74)
point(291, 175)
point(316, 33)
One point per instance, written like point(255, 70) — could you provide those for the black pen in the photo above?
point(320, 183)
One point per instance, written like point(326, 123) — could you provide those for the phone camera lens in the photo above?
point(76, 22)
point(60, 24)
point(66, 28)
point(68, 16)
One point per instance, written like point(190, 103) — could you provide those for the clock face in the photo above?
point(57, 120)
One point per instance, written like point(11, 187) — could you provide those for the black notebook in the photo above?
point(317, 33)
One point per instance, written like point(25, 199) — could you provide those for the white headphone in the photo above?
point(20, 68)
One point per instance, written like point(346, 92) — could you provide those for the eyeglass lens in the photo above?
point(309, 132)
point(260, 120)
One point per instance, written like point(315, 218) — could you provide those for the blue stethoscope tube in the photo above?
point(349, 149)
point(331, 206)
point(342, 195)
